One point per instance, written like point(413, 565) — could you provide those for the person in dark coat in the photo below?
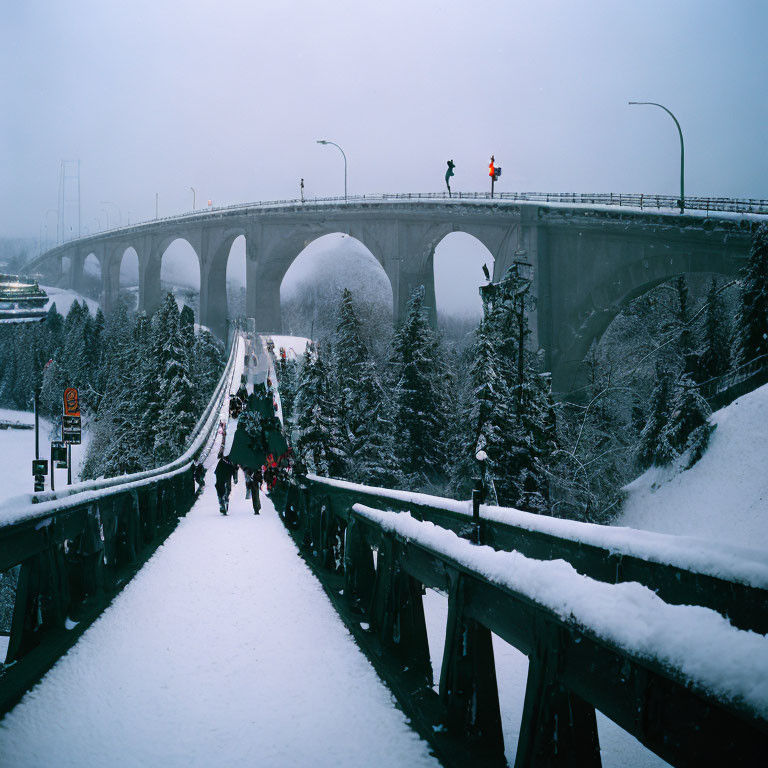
point(253, 479)
point(224, 473)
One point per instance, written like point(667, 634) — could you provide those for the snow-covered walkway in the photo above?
point(223, 651)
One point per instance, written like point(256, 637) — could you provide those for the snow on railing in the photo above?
point(41, 504)
point(627, 614)
point(722, 561)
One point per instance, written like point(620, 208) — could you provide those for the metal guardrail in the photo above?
point(713, 389)
point(572, 671)
point(77, 548)
point(638, 201)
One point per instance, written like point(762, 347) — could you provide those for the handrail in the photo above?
point(78, 548)
point(717, 384)
point(581, 656)
point(683, 570)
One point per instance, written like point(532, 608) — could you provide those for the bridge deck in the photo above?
point(223, 650)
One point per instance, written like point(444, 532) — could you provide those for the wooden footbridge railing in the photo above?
point(376, 563)
point(72, 551)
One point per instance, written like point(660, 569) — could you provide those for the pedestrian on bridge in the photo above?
point(253, 478)
point(224, 473)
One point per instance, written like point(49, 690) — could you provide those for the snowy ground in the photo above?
point(64, 298)
point(223, 651)
point(17, 449)
point(724, 496)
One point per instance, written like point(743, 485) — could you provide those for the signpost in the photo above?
point(39, 471)
point(71, 425)
point(58, 459)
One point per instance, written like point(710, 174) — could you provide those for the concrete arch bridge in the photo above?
point(588, 260)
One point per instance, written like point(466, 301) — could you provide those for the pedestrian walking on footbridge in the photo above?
point(225, 471)
point(253, 479)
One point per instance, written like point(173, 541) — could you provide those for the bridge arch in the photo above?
point(170, 260)
point(311, 286)
point(598, 308)
point(89, 282)
point(458, 265)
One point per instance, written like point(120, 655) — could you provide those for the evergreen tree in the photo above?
point(360, 395)
point(486, 415)
point(527, 424)
point(688, 429)
point(319, 443)
point(753, 308)
point(420, 399)
point(715, 355)
point(653, 447)
point(176, 418)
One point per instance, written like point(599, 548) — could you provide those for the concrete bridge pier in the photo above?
point(267, 259)
point(215, 245)
point(150, 292)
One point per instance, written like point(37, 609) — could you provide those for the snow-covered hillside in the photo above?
point(724, 496)
point(64, 298)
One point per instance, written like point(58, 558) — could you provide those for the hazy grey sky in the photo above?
point(230, 97)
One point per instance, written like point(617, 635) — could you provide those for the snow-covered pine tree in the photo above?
point(753, 307)
point(688, 429)
point(653, 446)
point(319, 442)
point(208, 360)
point(486, 415)
point(715, 353)
point(528, 425)
point(420, 409)
point(361, 397)
point(177, 412)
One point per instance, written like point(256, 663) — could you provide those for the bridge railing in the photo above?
point(71, 552)
point(639, 201)
point(723, 390)
point(374, 563)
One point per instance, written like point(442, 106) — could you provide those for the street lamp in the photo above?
point(106, 213)
point(323, 141)
point(119, 212)
point(682, 147)
point(194, 196)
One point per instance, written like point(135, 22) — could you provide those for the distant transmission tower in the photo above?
point(69, 200)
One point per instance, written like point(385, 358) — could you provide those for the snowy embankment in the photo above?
point(65, 297)
point(17, 449)
point(724, 496)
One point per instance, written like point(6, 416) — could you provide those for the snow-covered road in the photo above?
point(223, 651)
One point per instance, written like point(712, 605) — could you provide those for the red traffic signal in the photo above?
point(492, 169)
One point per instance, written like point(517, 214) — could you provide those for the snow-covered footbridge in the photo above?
point(348, 625)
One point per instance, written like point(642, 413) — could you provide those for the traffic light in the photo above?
point(492, 169)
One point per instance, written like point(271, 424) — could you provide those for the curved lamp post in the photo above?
point(682, 147)
point(194, 198)
point(323, 141)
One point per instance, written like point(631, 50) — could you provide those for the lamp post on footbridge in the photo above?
point(323, 141)
point(682, 146)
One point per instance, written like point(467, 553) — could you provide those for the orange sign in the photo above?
point(71, 402)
